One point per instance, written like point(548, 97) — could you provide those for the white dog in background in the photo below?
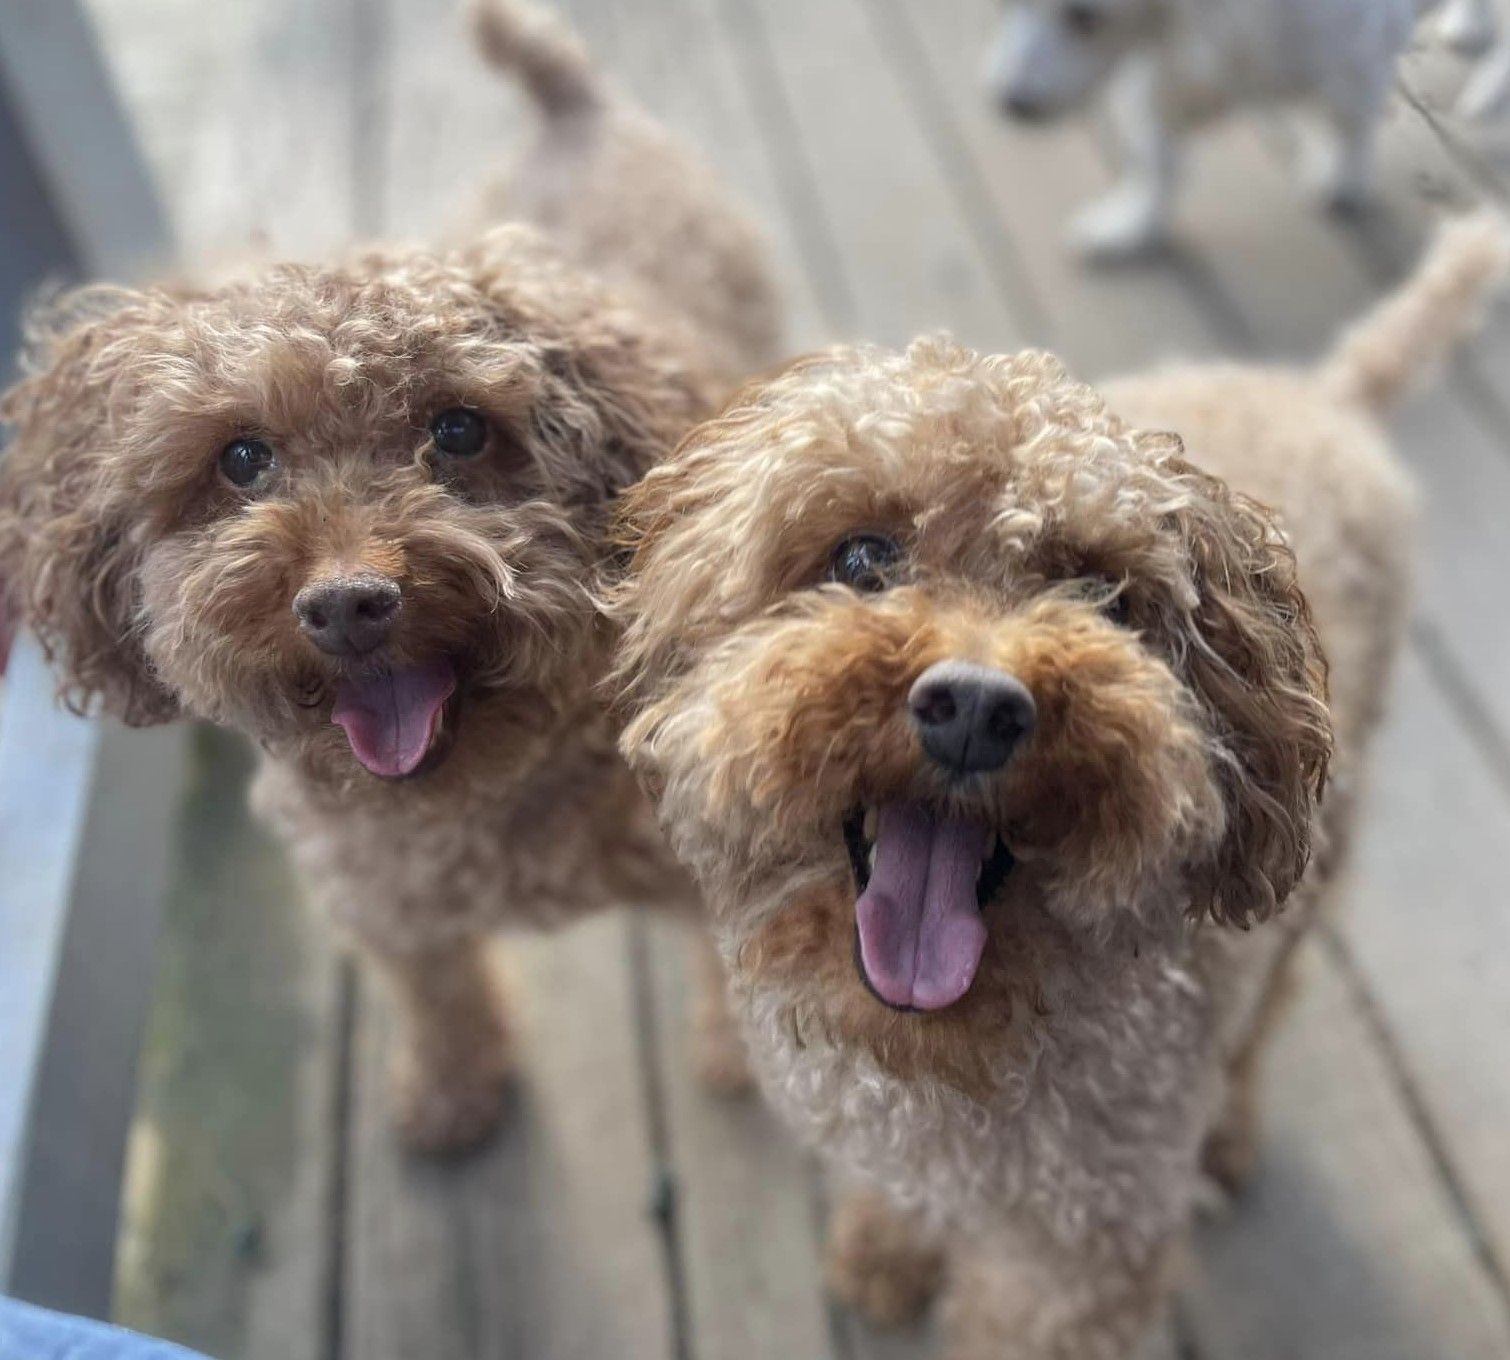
point(1171, 65)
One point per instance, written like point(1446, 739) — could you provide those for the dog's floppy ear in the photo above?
point(623, 388)
point(1255, 660)
point(640, 583)
point(69, 545)
point(665, 590)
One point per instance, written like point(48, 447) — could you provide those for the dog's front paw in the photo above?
point(1125, 225)
point(448, 1111)
point(881, 1263)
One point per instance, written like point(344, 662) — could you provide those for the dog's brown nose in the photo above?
point(348, 615)
point(970, 718)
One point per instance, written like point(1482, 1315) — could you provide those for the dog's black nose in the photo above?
point(970, 718)
point(348, 615)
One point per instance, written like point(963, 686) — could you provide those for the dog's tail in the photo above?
point(1399, 345)
point(523, 40)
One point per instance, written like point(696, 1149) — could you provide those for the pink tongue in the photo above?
point(390, 720)
point(921, 935)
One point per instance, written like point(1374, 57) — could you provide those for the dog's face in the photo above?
point(1050, 57)
point(332, 508)
point(926, 654)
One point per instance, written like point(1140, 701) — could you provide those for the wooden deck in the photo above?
point(623, 1213)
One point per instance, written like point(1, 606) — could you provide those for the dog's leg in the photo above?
point(1134, 218)
point(1468, 26)
point(718, 1049)
point(1340, 163)
point(1009, 1301)
point(451, 1060)
point(882, 1261)
point(1487, 93)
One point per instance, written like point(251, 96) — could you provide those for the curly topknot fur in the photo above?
point(160, 586)
point(1052, 1118)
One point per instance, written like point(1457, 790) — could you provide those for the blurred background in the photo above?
point(267, 1211)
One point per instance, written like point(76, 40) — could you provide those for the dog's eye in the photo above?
point(865, 562)
point(1082, 18)
point(459, 432)
point(246, 462)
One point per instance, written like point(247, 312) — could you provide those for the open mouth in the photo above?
point(399, 719)
point(923, 879)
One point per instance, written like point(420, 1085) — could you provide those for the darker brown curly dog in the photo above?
point(980, 714)
point(354, 512)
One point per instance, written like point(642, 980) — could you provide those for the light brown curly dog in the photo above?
point(982, 714)
point(355, 511)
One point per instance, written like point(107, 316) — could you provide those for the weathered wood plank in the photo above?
point(684, 53)
point(227, 1241)
point(911, 259)
point(545, 1243)
point(1346, 1244)
point(247, 121)
point(754, 1278)
point(747, 62)
point(1428, 929)
point(445, 126)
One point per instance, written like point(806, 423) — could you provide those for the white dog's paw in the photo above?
point(1124, 225)
point(1467, 26)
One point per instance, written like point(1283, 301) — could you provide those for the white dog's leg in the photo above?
point(1340, 164)
point(1134, 217)
point(1469, 26)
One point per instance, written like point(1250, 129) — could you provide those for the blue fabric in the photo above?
point(28, 1333)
